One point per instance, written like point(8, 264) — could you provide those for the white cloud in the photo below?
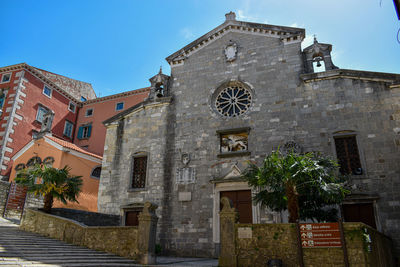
point(294, 25)
point(187, 33)
point(309, 40)
point(243, 15)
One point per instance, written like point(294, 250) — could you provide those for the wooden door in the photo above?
point(362, 212)
point(131, 218)
point(242, 203)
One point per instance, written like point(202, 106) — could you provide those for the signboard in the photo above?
point(245, 232)
point(314, 235)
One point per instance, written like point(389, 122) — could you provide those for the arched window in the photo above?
point(33, 161)
point(96, 172)
point(20, 166)
point(48, 161)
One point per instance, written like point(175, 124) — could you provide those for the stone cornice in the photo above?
point(285, 34)
point(390, 78)
point(12, 67)
point(140, 106)
point(40, 76)
point(109, 97)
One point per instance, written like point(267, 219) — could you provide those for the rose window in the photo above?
point(233, 101)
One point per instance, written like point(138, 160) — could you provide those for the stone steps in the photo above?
point(19, 248)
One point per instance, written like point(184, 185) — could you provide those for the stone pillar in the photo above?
point(147, 234)
point(227, 220)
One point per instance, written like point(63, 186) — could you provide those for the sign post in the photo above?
point(314, 235)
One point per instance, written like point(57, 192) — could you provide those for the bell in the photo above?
point(160, 92)
point(319, 63)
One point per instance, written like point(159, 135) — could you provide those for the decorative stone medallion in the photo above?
point(230, 51)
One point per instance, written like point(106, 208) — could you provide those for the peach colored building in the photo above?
point(90, 132)
point(58, 153)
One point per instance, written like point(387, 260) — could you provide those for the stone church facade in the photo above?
point(234, 95)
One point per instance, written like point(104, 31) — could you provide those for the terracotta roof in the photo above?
point(72, 146)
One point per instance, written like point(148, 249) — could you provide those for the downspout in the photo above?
point(10, 119)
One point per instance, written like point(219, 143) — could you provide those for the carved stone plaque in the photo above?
point(245, 232)
point(185, 175)
point(185, 196)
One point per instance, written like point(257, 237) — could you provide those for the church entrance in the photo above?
point(360, 212)
point(241, 201)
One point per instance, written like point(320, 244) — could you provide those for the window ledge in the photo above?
point(234, 154)
point(136, 189)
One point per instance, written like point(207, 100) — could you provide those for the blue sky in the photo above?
point(118, 45)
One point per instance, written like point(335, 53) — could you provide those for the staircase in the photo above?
point(19, 248)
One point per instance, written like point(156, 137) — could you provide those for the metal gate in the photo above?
point(15, 201)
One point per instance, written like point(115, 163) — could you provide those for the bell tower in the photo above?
point(317, 57)
point(159, 85)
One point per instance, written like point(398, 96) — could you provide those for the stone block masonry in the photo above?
point(132, 242)
point(290, 104)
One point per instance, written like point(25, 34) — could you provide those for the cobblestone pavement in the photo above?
point(20, 248)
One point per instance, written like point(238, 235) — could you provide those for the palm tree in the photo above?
point(302, 184)
point(51, 183)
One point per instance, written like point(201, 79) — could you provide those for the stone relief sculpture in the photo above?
point(234, 142)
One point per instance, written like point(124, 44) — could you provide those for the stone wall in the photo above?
point(88, 218)
point(124, 241)
point(4, 187)
point(279, 241)
point(287, 106)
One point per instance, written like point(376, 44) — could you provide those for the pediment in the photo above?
point(285, 34)
point(233, 173)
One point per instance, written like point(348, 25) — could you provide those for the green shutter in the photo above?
point(80, 132)
point(89, 131)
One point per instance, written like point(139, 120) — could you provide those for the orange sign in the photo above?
point(320, 235)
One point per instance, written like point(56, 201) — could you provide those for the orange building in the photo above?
point(58, 153)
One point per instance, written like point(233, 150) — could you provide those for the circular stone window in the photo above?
point(233, 100)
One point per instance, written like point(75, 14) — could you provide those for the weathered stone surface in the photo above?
point(122, 241)
point(287, 105)
point(279, 241)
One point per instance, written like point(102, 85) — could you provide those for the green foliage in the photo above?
point(310, 177)
point(51, 183)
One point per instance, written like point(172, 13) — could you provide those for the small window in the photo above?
point(47, 91)
point(68, 127)
point(96, 172)
point(119, 106)
point(83, 99)
point(84, 131)
point(33, 161)
point(48, 161)
point(72, 107)
point(2, 98)
point(6, 78)
point(40, 113)
point(347, 155)
point(89, 112)
point(139, 172)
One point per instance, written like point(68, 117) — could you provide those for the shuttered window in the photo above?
point(84, 131)
point(347, 155)
point(139, 172)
